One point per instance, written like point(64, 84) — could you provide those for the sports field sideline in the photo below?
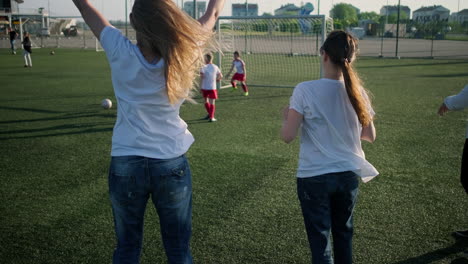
point(55, 140)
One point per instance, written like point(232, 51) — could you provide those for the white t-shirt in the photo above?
point(331, 132)
point(210, 73)
point(458, 102)
point(239, 66)
point(147, 124)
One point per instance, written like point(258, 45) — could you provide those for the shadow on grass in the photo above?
point(87, 131)
point(436, 255)
point(62, 117)
point(61, 127)
point(445, 75)
point(30, 110)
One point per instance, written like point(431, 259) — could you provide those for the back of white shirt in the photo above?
point(210, 73)
point(331, 132)
point(239, 66)
point(147, 124)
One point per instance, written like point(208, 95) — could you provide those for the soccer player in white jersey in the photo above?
point(209, 75)
point(334, 114)
point(151, 80)
point(240, 75)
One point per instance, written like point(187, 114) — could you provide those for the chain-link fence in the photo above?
point(377, 35)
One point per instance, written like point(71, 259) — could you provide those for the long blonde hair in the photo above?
point(342, 47)
point(176, 38)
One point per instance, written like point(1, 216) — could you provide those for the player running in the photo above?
point(209, 75)
point(240, 75)
point(334, 114)
point(27, 50)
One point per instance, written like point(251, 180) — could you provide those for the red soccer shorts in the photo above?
point(239, 77)
point(212, 94)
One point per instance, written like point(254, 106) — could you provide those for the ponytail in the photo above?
point(341, 47)
point(356, 93)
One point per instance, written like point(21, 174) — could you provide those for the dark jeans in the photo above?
point(12, 45)
point(327, 203)
point(132, 180)
point(464, 167)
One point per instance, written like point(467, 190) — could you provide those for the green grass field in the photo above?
point(56, 139)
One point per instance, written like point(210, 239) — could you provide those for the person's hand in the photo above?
point(285, 113)
point(442, 109)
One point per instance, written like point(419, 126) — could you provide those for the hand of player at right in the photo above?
point(442, 109)
point(285, 112)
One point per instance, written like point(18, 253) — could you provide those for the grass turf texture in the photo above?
point(55, 140)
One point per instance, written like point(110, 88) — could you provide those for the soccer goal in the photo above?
point(278, 51)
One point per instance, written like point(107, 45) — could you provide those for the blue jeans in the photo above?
point(327, 203)
point(132, 180)
point(12, 44)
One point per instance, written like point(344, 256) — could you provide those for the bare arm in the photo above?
point(201, 80)
point(368, 133)
point(208, 20)
point(243, 68)
point(219, 77)
point(291, 122)
point(93, 18)
point(230, 70)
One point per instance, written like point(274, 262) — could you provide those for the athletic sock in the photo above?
point(207, 107)
point(244, 87)
point(212, 111)
point(233, 83)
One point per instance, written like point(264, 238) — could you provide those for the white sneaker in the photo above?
point(213, 120)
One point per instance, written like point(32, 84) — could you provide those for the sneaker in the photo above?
point(213, 120)
point(246, 94)
point(25, 66)
point(234, 89)
point(460, 234)
point(206, 117)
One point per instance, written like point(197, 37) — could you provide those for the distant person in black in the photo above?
point(27, 50)
point(13, 36)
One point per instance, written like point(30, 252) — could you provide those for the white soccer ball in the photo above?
point(106, 103)
point(52, 53)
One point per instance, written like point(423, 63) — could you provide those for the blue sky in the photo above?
point(115, 9)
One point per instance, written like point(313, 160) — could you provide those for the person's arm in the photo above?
point(243, 68)
point(230, 70)
point(368, 132)
point(291, 122)
point(213, 11)
point(455, 102)
point(92, 17)
point(201, 80)
point(219, 76)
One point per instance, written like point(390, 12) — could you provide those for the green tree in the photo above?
point(344, 13)
point(369, 15)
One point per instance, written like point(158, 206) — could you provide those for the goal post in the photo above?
point(279, 51)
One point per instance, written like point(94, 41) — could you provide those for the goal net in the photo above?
point(277, 51)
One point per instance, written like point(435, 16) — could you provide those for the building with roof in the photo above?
point(201, 8)
point(244, 9)
point(393, 10)
point(427, 14)
point(287, 10)
point(460, 17)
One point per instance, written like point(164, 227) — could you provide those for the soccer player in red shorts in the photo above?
point(209, 75)
point(240, 74)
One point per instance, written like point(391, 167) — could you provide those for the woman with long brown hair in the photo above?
point(151, 80)
point(336, 114)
